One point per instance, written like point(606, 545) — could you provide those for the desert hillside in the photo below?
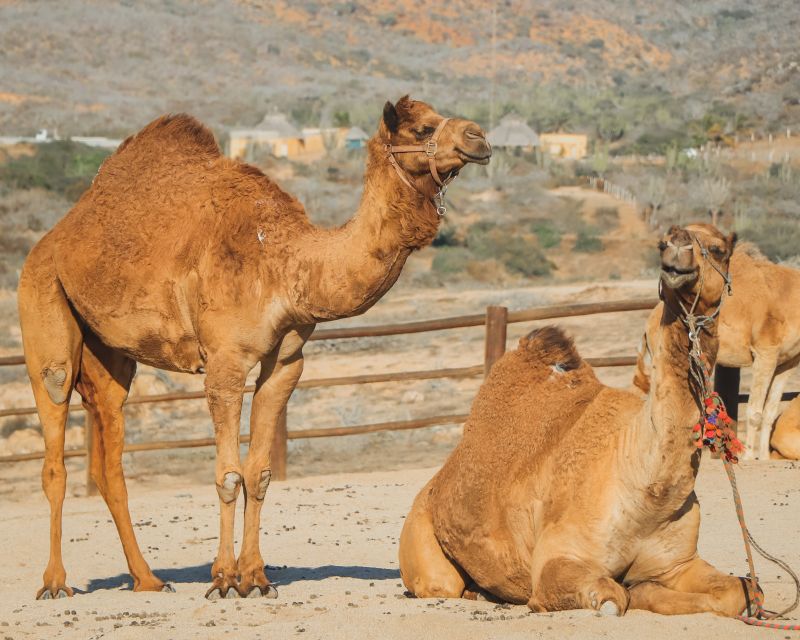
point(109, 67)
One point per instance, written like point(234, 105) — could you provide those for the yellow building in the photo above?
point(279, 137)
point(572, 146)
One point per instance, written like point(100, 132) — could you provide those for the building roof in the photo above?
point(279, 123)
point(356, 133)
point(513, 131)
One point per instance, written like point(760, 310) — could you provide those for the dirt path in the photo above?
point(332, 541)
point(627, 246)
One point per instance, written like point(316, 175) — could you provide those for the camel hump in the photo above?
point(751, 250)
point(550, 346)
point(184, 132)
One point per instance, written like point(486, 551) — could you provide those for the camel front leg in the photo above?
point(764, 364)
point(565, 582)
point(424, 568)
point(695, 587)
point(279, 374)
point(225, 382)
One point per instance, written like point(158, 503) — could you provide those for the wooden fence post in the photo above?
point(91, 487)
point(726, 384)
point(496, 326)
point(279, 446)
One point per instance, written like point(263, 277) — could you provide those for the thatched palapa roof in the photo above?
point(513, 131)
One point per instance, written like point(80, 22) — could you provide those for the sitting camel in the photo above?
point(565, 493)
point(785, 440)
point(185, 260)
point(759, 326)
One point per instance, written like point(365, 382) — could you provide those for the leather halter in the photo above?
point(429, 148)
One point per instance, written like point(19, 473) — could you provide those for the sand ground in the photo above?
point(331, 547)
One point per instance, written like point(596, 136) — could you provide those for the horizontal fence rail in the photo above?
point(479, 319)
point(495, 320)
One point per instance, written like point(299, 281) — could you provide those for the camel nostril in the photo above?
point(474, 135)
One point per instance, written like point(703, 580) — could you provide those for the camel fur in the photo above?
point(182, 259)
point(565, 493)
point(759, 327)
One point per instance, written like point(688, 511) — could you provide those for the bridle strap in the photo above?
point(429, 148)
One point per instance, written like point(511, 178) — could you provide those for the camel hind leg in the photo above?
point(786, 436)
point(694, 587)
point(51, 338)
point(772, 407)
point(103, 382)
point(426, 571)
point(765, 362)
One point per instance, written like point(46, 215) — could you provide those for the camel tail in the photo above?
point(551, 347)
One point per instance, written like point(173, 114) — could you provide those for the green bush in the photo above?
point(607, 218)
point(588, 242)
point(450, 260)
point(517, 253)
point(778, 238)
point(341, 119)
point(547, 234)
point(63, 166)
point(446, 237)
point(525, 258)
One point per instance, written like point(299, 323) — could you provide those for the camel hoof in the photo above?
point(167, 588)
point(46, 594)
point(261, 592)
point(270, 592)
point(215, 593)
point(608, 608)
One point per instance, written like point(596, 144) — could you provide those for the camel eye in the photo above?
point(662, 245)
point(424, 132)
point(716, 251)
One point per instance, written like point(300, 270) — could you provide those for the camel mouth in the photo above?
point(675, 278)
point(468, 157)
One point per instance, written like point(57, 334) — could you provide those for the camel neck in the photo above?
point(659, 448)
point(350, 268)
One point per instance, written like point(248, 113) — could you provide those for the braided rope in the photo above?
point(761, 617)
point(713, 431)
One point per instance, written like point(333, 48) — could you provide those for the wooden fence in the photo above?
point(496, 320)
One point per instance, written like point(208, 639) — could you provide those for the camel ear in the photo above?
point(731, 240)
point(390, 117)
point(404, 104)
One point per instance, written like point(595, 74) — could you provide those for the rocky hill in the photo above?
point(611, 67)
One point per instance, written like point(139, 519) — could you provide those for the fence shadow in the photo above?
point(279, 575)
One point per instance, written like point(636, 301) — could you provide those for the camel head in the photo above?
point(694, 262)
point(411, 123)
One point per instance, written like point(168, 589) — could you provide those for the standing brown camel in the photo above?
point(185, 260)
point(565, 493)
point(759, 327)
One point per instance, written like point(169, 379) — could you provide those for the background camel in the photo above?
point(564, 493)
point(759, 326)
point(785, 439)
point(185, 260)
